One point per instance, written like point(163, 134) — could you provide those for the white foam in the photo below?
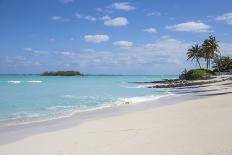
point(34, 81)
point(59, 107)
point(69, 96)
point(15, 82)
point(139, 86)
point(134, 100)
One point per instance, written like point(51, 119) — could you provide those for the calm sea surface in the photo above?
point(28, 97)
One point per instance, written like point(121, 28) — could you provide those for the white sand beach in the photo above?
point(196, 127)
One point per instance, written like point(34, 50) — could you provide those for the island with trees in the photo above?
point(216, 64)
point(62, 73)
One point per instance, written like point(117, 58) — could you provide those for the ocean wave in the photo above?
point(34, 81)
point(139, 86)
point(21, 115)
point(140, 99)
point(15, 82)
point(58, 107)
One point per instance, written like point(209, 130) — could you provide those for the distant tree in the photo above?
point(195, 52)
point(210, 49)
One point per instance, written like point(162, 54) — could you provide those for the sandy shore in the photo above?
point(196, 127)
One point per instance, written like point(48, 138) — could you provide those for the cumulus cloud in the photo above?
point(165, 51)
point(125, 6)
point(227, 17)
point(150, 30)
point(123, 44)
point(90, 18)
point(119, 21)
point(190, 27)
point(96, 38)
point(104, 18)
point(86, 17)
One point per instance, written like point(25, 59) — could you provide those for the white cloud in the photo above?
point(66, 53)
point(168, 46)
point(105, 18)
point(66, 1)
point(227, 17)
point(34, 52)
point(99, 9)
point(119, 21)
point(89, 18)
point(164, 55)
point(123, 44)
point(153, 14)
point(96, 38)
point(39, 52)
point(79, 16)
point(126, 6)
point(190, 27)
point(150, 30)
point(56, 18)
point(88, 50)
point(59, 18)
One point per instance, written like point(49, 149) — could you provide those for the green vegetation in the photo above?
point(222, 64)
point(198, 74)
point(195, 53)
point(61, 73)
point(208, 51)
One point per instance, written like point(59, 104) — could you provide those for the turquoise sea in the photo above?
point(24, 98)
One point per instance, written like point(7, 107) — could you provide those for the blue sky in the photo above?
point(108, 37)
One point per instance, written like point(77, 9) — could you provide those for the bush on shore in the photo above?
point(197, 74)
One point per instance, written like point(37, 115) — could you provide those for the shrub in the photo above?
point(198, 74)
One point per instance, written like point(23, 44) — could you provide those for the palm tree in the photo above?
point(195, 52)
point(223, 64)
point(210, 49)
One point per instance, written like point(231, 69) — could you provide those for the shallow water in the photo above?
point(28, 97)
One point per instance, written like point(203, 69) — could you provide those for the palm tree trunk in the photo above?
point(209, 63)
point(199, 63)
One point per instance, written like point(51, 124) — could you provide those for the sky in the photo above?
point(108, 37)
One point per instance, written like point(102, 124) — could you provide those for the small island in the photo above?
point(62, 73)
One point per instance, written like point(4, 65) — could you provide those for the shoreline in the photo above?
point(70, 113)
point(191, 126)
point(20, 131)
point(179, 95)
